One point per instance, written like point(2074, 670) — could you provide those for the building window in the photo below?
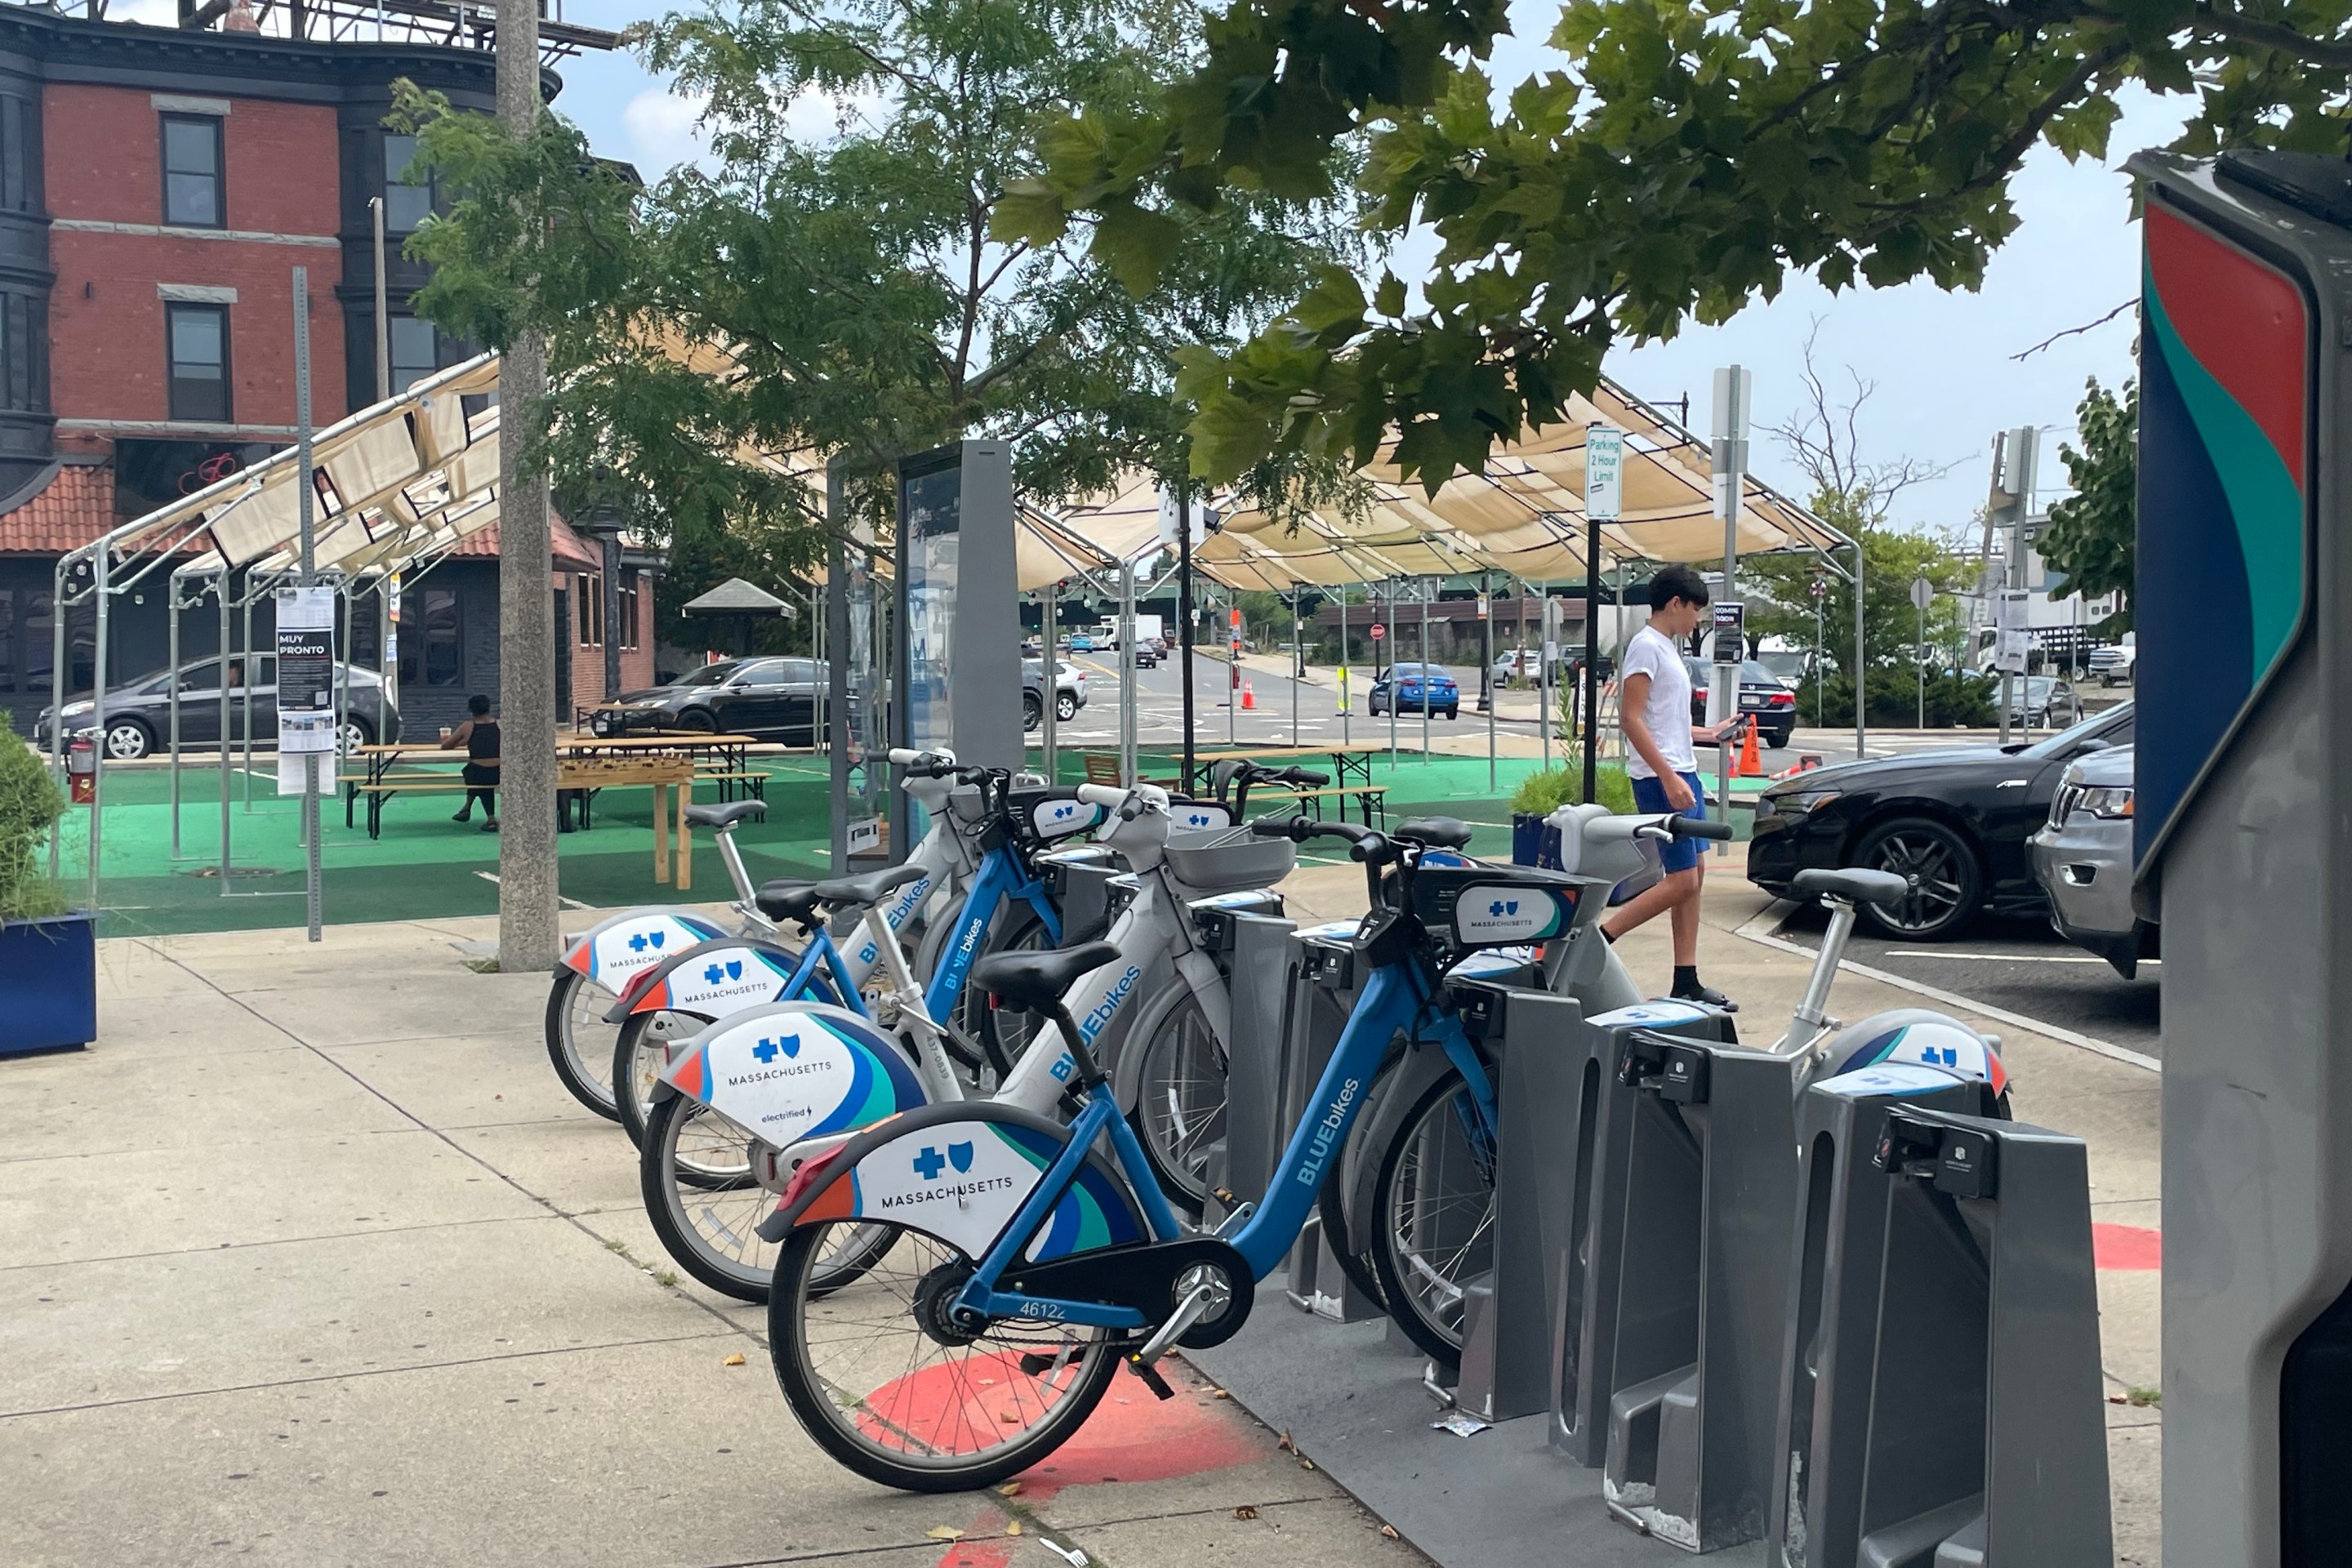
point(432, 650)
point(26, 650)
point(415, 351)
point(588, 589)
point(199, 348)
point(407, 202)
point(629, 591)
point(192, 196)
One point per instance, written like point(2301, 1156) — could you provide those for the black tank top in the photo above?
point(482, 741)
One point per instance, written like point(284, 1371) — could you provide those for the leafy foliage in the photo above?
point(1541, 794)
point(841, 295)
point(1954, 701)
point(29, 809)
point(2093, 539)
point(1688, 157)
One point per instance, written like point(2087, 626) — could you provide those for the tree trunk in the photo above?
point(528, 932)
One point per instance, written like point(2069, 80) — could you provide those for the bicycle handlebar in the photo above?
point(1617, 829)
point(1365, 844)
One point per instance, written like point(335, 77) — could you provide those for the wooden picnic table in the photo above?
point(671, 779)
point(1345, 759)
point(731, 752)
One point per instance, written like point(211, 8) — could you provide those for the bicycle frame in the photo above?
point(1003, 877)
point(1396, 999)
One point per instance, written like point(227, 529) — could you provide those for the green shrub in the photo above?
point(1953, 701)
point(29, 807)
point(1541, 794)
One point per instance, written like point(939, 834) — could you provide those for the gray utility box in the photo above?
point(1709, 1199)
point(1581, 1114)
point(1320, 985)
point(1940, 1387)
point(1254, 952)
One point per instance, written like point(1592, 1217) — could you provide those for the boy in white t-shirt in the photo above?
point(1654, 705)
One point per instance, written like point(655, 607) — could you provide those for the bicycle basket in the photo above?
point(1494, 906)
point(967, 804)
point(1228, 859)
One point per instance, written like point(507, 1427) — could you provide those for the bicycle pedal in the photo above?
point(1035, 1365)
point(1150, 1376)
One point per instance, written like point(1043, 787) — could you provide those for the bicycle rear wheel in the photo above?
point(1180, 1100)
point(880, 1380)
point(1433, 1207)
point(579, 1041)
point(640, 1051)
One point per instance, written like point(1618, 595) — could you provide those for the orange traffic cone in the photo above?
point(1249, 697)
point(1752, 765)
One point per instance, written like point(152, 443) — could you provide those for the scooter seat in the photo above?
point(1438, 832)
point(726, 816)
point(787, 899)
point(1035, 981)
point(1864, 887)
point(870, 888)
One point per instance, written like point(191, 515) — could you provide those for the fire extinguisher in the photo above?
point(81, 769)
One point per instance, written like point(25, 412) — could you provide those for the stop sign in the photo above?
point(1378, 631)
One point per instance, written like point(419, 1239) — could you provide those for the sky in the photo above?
point(1940, 363)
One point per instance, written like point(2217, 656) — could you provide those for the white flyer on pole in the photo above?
point(2012, 641)
point(305, 685)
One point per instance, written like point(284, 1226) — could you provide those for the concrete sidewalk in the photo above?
point(311, 1260)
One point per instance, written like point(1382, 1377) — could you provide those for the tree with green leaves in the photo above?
point(2093, 539)
point(842, 296)
point(1687, 158)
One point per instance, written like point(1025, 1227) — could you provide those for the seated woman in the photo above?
point(479, 735)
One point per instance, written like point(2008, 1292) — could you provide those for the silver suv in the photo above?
point(2082, 858)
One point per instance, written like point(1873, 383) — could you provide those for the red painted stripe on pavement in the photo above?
point(2127, 1246)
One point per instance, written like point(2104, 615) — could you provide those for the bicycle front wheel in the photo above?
point(579, 1041)
point(1434, 1203)
point(1180, 1100)
point(885, 1383)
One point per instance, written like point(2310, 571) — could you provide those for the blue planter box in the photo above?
point(1533, 842)
point(48, 984)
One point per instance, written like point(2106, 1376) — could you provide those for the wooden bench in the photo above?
point(1369, 799)
point(749, 782)
point(1102, 768)
point(577, 779)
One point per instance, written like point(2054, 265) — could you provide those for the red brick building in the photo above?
point(158, 188)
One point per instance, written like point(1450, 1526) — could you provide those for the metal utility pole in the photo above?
point(1298, 663)
point(1604, 459)
point(1428, 592)
point(1734, 391)
point(1342, 692)
point(528, 916)
point(1184, 612)
point(1922, 593)
point(1547, 622)
point(387, 588)
point(1048, 617)
point(1127, 667)
point(306, 503)
point(2010, 499)
point(382, 307)
point(1486, 672)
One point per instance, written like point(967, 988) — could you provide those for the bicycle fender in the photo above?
point(620, 947)
point(959, 1174)
point(1421, 1064)
point(712, 979)
point(796, 1069)
point(1915, 1036)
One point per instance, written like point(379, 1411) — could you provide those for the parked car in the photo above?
point(774, 699)
point(2039, 699)
point(1762, 698)
point(139, 712)
point(1082, 642)
point(1402, 685)
point(2114, 666)
point(1791, 667)
point(1953, 823)
point(2082, 858)
point(1070, 693)
point(1520, 663)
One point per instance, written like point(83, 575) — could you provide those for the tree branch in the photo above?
point(2277, 35)
point(2072, 332)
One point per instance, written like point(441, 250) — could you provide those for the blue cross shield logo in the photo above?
point(1942, 1055)
point(959, 1155)
point(766, 1049)
point(735, 966)
point(928, 1164)
point(1060, 811)
point(1498, 908)
point(637, 942)
point(658, 938)
point(713, 973)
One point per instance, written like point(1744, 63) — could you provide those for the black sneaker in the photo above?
point(1706, 994)
point(491, 826)
point(465, 816)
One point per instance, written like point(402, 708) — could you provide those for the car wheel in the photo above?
point(355, 734)
point(700, 720)
point(1780, 739)
point(127, 740)
point(1033, 710)
point(1376, 707)
point(1066, 707)
point(1941, 865)
point(1455, 712)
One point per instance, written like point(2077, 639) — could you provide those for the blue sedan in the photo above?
point(1416, 688)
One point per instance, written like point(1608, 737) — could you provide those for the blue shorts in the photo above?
point(1649, 795)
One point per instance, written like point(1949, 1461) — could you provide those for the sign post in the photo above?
point(1734, 391)
point(306, 697)
point(1923, 593)
point(1604, 474)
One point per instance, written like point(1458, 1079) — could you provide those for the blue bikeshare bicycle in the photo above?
point(740, 1099)
point(598, 966)
point(1024, 1265)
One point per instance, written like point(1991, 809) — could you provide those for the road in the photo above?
point(2018, 966)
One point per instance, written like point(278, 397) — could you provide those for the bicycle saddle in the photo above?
point(1438, 832)
point(788, 899)
point(1036, 981)
point(1863, 886)
point(870, 888)
point(726, 816)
